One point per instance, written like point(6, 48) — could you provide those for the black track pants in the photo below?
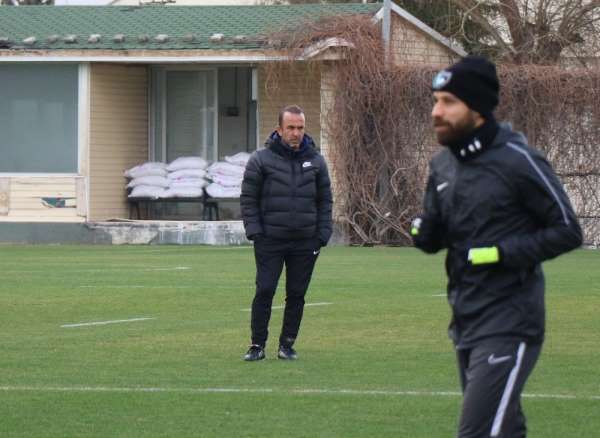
point(493, 375)
point(299, 257)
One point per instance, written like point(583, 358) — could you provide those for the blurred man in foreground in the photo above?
point(498, 208)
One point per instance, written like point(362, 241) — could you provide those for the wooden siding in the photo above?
point(25, 201)
point(118, 134)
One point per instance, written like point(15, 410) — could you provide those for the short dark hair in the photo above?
point(294, 109)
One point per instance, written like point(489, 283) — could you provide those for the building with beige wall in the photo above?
point(117, 89)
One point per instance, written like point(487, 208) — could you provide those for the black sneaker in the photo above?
point(286, 353)
point(255, 352)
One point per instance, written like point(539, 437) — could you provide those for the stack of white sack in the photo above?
point(148, 180)
point(239, 159)
point(186, 177)
point(227, 176)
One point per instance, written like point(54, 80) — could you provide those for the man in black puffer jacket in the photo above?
point(286, 207)
point(498, 208)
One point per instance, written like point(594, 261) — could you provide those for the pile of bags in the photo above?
point(148, 180)
point(226, 176)
point(188, 177)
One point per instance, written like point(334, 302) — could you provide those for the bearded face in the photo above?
point(452, 118)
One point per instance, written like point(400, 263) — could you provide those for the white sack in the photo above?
point(187, 173)
point(146, 192)
point(189, 182)
point(239, 159)
point(155, 180)
point(182, 192)
point(187, 163)
point(147, 169)
point(223, 168)
point(218, 191)
point(227, 180)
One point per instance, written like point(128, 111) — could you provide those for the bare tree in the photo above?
point(535, 31)
point(517, 31)
point(304, 2)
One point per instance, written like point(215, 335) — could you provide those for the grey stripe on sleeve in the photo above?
point(544, 179)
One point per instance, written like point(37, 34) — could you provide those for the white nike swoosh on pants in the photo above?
point(492, 360)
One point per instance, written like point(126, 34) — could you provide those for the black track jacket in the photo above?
point(286, 194)
point(510, 197)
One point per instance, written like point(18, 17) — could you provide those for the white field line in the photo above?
point(165, 287)
point(116, 321)
point(176, 268)
point(283, 306)
point(229, 248)
point(132, 286)
point(105, 269)
point(308, 391)
point(439, 295)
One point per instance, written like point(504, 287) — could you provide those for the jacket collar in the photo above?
point(307, 148)
point(476, 142)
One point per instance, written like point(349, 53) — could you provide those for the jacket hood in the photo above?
point(507, 135)
point(307, 148)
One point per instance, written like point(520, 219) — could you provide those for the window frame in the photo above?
point(155, 100)
point(83, 123)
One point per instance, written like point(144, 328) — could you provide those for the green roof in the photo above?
point(187, 27)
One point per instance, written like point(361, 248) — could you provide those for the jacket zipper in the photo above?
point(457, 323)
point(293, 163)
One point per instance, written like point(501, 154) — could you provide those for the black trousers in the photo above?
point(492, 376)
point(299, 257)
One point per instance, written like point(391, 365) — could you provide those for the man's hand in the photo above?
point(415, 226)
point(427, 233)
point(421, 226)
point(484, 256)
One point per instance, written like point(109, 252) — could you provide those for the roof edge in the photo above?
point(316, 51)
point(423, 27)
point(142, 58)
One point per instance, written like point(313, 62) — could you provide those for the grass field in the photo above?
point(374, 357)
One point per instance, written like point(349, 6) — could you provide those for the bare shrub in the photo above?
point(381, 137)
point(558, 111)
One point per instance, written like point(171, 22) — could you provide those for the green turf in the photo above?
point(372, 364)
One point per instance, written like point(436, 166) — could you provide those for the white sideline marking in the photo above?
point(283, 306)
point(130, 286)
point(307, 391)
point(225, 248)
point(116, 321)
point(107, 268)
point(176, 268)
point(439, 295)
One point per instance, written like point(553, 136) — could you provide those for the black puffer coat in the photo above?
point(286, 193)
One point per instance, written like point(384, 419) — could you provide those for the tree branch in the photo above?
point(470, 7)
